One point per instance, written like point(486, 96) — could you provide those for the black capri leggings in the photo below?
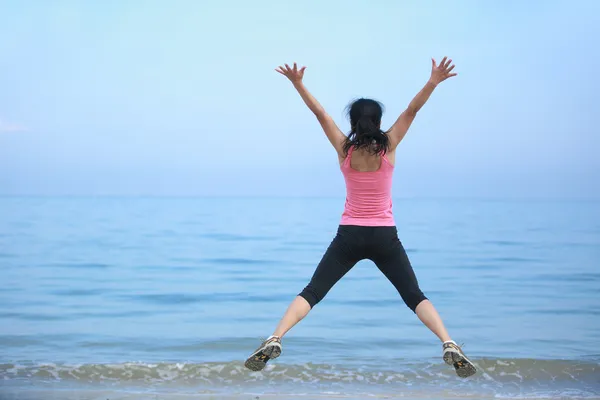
point(352, 244)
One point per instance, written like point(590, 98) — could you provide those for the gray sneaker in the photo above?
point(268, 350)
point(453, 355)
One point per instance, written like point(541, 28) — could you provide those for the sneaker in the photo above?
point(268, 350)
point(453, 355)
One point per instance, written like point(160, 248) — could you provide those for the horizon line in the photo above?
point(257, 196)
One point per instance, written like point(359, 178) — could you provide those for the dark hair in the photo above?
point(365, 127)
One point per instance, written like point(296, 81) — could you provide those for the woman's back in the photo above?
point(368, 189)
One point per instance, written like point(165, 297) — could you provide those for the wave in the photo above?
point(511, 371)
point(508, 379)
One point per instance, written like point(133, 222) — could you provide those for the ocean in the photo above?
point(164, 298)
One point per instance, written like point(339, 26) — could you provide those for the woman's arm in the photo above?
point(334, 134)
point(439, 73)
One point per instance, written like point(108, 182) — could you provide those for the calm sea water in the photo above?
point(165, 297)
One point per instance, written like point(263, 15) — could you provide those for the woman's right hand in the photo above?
point(441, 72)
point(294, 74)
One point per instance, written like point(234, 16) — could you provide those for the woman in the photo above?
point(367, 229)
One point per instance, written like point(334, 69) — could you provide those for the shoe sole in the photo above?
point(260, 358)
point(463, 366)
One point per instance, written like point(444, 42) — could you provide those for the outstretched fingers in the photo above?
point(442, 71)
point(293, 73)
point(284, 70)
point(449, 68)
point(445, 63)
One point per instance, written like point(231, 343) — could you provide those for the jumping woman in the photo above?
point(367, 229)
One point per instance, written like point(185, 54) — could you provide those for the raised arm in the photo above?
point(334, 134)
point(439, 73)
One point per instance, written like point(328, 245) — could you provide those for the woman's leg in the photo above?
point(395, 265)
point(298, 309)
point(430, 317)
point(335, 263)
point(392, 260)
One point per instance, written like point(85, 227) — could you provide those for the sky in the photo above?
point(180, 98)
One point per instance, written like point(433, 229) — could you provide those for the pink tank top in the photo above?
point(368, 195)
